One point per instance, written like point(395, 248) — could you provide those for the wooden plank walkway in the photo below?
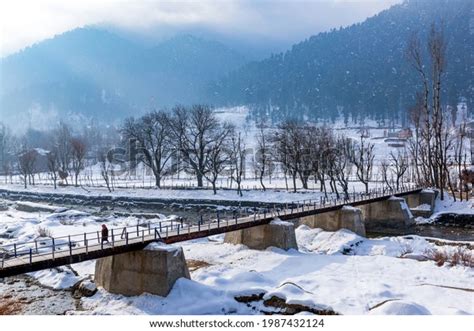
point(47, 253)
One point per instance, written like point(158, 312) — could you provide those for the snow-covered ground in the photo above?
point(337, 271)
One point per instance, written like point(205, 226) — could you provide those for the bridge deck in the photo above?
point(37, 255)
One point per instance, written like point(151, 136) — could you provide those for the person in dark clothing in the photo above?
point(105, 233)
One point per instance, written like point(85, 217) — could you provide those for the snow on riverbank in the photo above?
point(372, 279)
point(448, 205)
point(338, 271)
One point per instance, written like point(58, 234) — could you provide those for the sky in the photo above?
point(25, 22)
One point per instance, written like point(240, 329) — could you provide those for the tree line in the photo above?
point(62, 152)
point(191, 139)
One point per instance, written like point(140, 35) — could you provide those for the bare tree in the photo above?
point(363, 159)
point(152, 134)
point(460, 157)
point(64, 150)
point(237, 161)
point(415, 115)
point(399, 166)
point(321, 147)
point(6, 149)
point(386, 174)
point(4, 143)
point(263, 156)
point(219, 154)
point(78, 154)
point(280, 154)
point(435, 136)
point(106, 168)
point(53, 165)
point(342, 163)
point(7, 171)
point(27, 163)
point(291, 149)
point(194, 132)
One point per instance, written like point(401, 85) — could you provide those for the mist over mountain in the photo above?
point(253, 49)
point(360, 70)
point(96, 73)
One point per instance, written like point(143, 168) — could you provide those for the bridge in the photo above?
point(50, 252)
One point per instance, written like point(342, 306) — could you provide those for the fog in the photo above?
point(24, 22)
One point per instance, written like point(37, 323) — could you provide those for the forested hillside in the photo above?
point(360, 70)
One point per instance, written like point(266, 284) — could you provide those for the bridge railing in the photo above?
point(50, 246)
point(352, 196)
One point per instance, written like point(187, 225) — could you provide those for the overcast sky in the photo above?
point(24, 22)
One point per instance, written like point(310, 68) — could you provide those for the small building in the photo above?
point(400, 134)
point(405, 133)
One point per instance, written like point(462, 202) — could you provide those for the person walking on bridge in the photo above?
point(105, 233)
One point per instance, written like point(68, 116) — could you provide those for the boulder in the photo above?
point(85, 288)
point(3, 206)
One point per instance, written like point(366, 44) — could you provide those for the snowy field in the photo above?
point(332, 271)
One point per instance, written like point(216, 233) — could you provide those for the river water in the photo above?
point(456, 227)
point(439, 231)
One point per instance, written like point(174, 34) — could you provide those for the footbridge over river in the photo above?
point(377, 206)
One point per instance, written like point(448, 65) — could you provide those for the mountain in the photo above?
point(71, 73)
point(180, 69)
point(99, 74)
point(360, 70)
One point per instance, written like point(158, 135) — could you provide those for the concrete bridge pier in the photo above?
point(152, 270)
point(347, 217)
point(277, 233)
point(391, 213)
point(422, 203)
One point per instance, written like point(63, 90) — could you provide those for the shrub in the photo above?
point(461, 256)
point(439, 257)
point(44, 232)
